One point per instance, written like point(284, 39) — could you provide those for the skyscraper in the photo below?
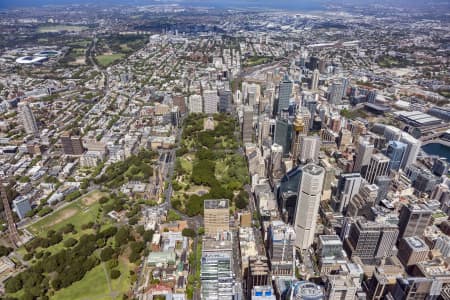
point(276, 158)
point(383, 183)
point(362, 203)
point(335, 93)
point(378, 166)
point(283, 135)
point(413, 288)
point(258, 273)
point(28, 120)
point(247, 125)
point(21, 206)
point(440, 167)
point(364, 151)
point(412, 150)
point(413, 219)
point(216, 216)
point(311, 105)
point(412, 250)
point(284, 94)
point(195, 104)
point(345, 138)
point(225, 97)
point(315, 80)
point(210, 101)
point(299, 129)
point(309, 195)
point(395, 152)
point(309, 148)
point(340, 287)
point(280, 239)
point(217, 276)
point(392, 133)
point(348, 186)
point(288, 194)
point(369, 240)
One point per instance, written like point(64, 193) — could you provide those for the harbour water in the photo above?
point(437, 149)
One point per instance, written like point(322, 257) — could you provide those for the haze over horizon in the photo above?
point(271, 4)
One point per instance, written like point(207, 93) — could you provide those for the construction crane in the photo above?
point(12, 230)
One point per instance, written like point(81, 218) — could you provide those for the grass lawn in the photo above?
point(94, 285)
point(83, 43)
point(125, 48)
point(78, 212)
point(186, 164)
point(58, 28)
point(107, 59)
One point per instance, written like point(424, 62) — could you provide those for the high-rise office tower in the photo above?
point(225, 97)
point(315, 80)
point(247, 125)
point(412, 149)
point(440, 167)
point(264, 130)
point(371, 96)
point(362, 203)
point(287, 195)
point(258, 273)
point(412, 250)
point(395, 152)
point(348, 186)
point(217, 276)
point(299, 129)
point(309, 195)
point(392, 133)
point(21, 206)
point(284, 94)
point(283, 135)
point(413, 288)
point(425, 182)
point(345, 138)
point(331, 253)
point(364, 151)
point(335, 93)
point(311, 105)
point(335, 123)
point(441, 193)
point(28, 120)
point(216, 216)
point(195, 104)
point(180, 102)
point(280, 239)
point(329, 177)
point(345, 84)
point(413, 219)
point(378, 166)
point(383, 183)
point(251, 93)
point(371, 240)
point(72, 145)
point(309, 148)
point(210, 101)
point(340, 287)
point(276, 158)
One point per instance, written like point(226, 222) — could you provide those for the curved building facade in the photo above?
point(305, 290)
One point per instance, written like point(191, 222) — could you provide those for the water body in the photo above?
point(301, 5)
point(437, 149)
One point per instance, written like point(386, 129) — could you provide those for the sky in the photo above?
point(278, 4)
point(281, 4)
